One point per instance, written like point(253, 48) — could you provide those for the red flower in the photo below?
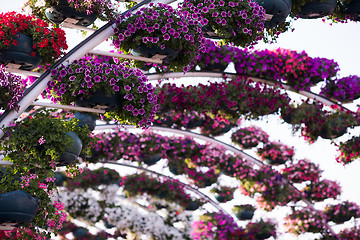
point(15, 42)
point(33, 54)
point(7, 42)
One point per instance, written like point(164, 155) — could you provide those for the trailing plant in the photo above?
point(11, 90)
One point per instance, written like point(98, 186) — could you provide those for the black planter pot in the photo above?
point(21, 53)
point(278, 10)
point(352, 9)
point(150, 52)
point(17, 208)
point(80, 233)
point(86, 119)
point(195, 123)
point(275, 161)
point(192, 206)
point(100, 99)
point(214, 67)
point(249, 145)
point(317, 9)
point(244, 215)
point(72, 152)
point(220, 198)
point(58, 13)
point(59, 179)
point(261, 236)
point(336, 130)
point(151, 159)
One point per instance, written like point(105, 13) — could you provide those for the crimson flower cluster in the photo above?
point(49, 43)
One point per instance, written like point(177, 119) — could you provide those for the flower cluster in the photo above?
point(223, 193)
point(92, 179)
point(11, 90)
point(161, 27)
point(303, 170)
point(342, 212)
point(276, 152)
point(269, 184)
point(305, 220)
point(351, 233)
point(215, 57)
point(201, 178)
point(296, 69)
point(186, 119)
point(321, 190)
point(344, 89)
point(215, 126)
point(241, 23)
point(170, 190)
point(217, 226)
point(249, 137)
point(262, 229)
point(104, 9)
point(49, 43)
point(349, 150)
point(136, 98)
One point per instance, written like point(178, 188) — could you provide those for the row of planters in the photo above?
point(221, 226)
point(202, 164)
point(212, 126)
point(94, 201)
point(296, 69)
point(36, 146)
point(311, 220)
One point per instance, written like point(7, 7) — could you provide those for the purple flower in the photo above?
point(112, 81)
point(54, 72)
point(166, 37)
point(127, 88)
point(116, 88)
point(63, 73)
point(135, 112)
point(87, 79)
point(89, 84)
point(72, 78)
point(97, 78)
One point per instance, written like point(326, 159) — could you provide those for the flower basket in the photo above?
point(214, 127)
point(86, 119)
point(303, 170)
point(262, 229)
point(275, 153)
point(11, 90)
point(349, 150)
point(61, 10)
point(342, 212)
point(82, 13)
point(305, 220)
point(215, 58)
point(249, 137)
point(201, 178)
point(319, 191)
point(244, 212)
point(27, 41)
point(241, 23)
point(151, 159)
point(128, 98)
point(223, 193)
point(187, 119)
point(313, 9)
point(17, 208)
point(152, 30)
point(344, 90)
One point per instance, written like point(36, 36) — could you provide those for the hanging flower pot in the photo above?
point(223, 193)
point(351, 9)
point(214, 127)
point(28, 41)
point(317, 9)
point(275, 153)
point(240, 23)
point(305, 220)
point(151, 159)
point(276, 11)
point(82, 13)
point(72, 152)
point(344, 89)
point(244, 212)
point(334, 130)
point(342, 212)
point(128, 97)
point(17, 208)
point(192, 206)
point(262, 229)
point(22, 53)
point(86, 119)
point(100, 99)
point(57, 13)
point(167, 34)
point(249, 137)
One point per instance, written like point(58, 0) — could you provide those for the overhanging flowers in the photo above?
point(342, 212)
point(163, 29)
point(303, 170)
point(136, 102)
point(11, 90)
point(249, 137)
point(319, 191)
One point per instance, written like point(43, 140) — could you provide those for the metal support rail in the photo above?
point(228, 147)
